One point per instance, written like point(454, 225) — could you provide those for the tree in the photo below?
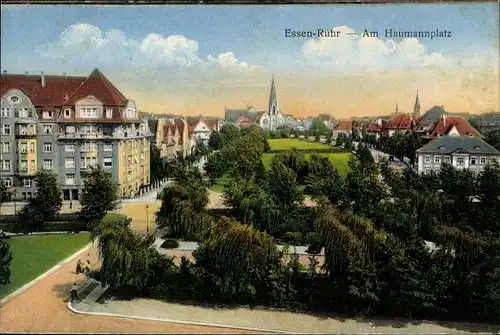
point(158, 165)
point(493, 139)
point(241, 258)
point(340, 140)
point(127, 259)
point(5, 194)
point(99, 195)
point(5, 260)
point(183, 207)
point(216, 141)
point(318, 128)
point(216, 165)
point(200, 149)
point(46, 202)
point(229, 133)
point(283, 185)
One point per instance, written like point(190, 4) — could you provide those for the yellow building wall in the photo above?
point(139, 169)
point(32, 157)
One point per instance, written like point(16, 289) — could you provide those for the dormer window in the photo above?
point(47, 115)
point(67, 113)
point(477, 147)
point(109, 113)
point(14, 99)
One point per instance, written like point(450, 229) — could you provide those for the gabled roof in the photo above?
point(431, 116)
point(401, 121)
point(447, 145)
point(444, 126)
point(345, 125)
point(63, 90)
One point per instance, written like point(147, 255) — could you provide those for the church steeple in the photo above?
point(273, 106)
point(416, 108)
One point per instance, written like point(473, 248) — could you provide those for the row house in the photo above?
point(170, 136)
point(463, 152)
point(68, 124)
point(202, 127)
point(342, 127)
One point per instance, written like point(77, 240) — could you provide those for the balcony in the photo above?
point(23, 171)
point(25, 133)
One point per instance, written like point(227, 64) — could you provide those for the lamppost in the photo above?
point(147, 219)
point(15, 203)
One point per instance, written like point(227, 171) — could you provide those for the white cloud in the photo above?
point(87, 42)
point(352, 51)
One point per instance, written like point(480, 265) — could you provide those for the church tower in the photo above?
point(273, 106)
point(416, 108)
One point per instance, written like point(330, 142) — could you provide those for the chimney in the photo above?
point(43, 79)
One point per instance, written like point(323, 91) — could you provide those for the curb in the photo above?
point(192, 323)
point(44, 275)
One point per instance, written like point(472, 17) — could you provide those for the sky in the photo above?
point(198, 59)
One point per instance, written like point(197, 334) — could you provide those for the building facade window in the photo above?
point(88, 112)
point(108, 147)
point(88, 129)
point(47, 129)
point(6, 147)
point(47, 164)
point(26, 182)
point(23, 165)
point(32, 165)
point(5, 112)
point(69, 147)
point(460, 161)
point(47, 147)
point(108, 162)
point(109, 113)
point(6, 165)
point(67, 113)
point(473, 160)
point(87, 162)
point(493, 160)
point(89, 147)
point(33, 147)
point(7, 182)
point(23, 148)
point(23, 112)
point(482, 160)
point(70, 179)
point(5, 129)
point(437, 159)
point(70, 163)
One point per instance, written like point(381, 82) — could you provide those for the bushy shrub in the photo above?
point(314, 242)
point(170, 243)
point(293, 238)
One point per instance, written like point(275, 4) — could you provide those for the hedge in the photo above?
point(311, 151)
point(170, 243)
point(69, 226)
point(63, 217)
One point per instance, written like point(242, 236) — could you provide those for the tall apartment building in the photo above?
point(68, 124)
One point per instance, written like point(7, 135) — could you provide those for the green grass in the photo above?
point(220, 183)
point(289, 143)
point(34, 255)
point(340, 160)
point(110, 216)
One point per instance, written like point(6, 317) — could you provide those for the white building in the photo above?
point(463, 152)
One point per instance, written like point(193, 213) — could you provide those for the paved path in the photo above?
point(42, 308)
point(275, 320)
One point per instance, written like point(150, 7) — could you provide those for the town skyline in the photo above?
point(224, 59)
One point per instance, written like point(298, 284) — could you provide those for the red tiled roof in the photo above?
point(344, 125)
point(98, 85)
point(444, 126)
point(243, 121)
point(212, 124)
point(63, 90)
point(401, 121)
point(373, 126)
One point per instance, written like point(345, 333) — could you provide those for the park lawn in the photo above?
point(339, 159)
point(289, 143)
point(33, 255)
point(220, 183)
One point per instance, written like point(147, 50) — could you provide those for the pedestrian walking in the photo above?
point(73, 294)
point(71, 205)
point(79, 267)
